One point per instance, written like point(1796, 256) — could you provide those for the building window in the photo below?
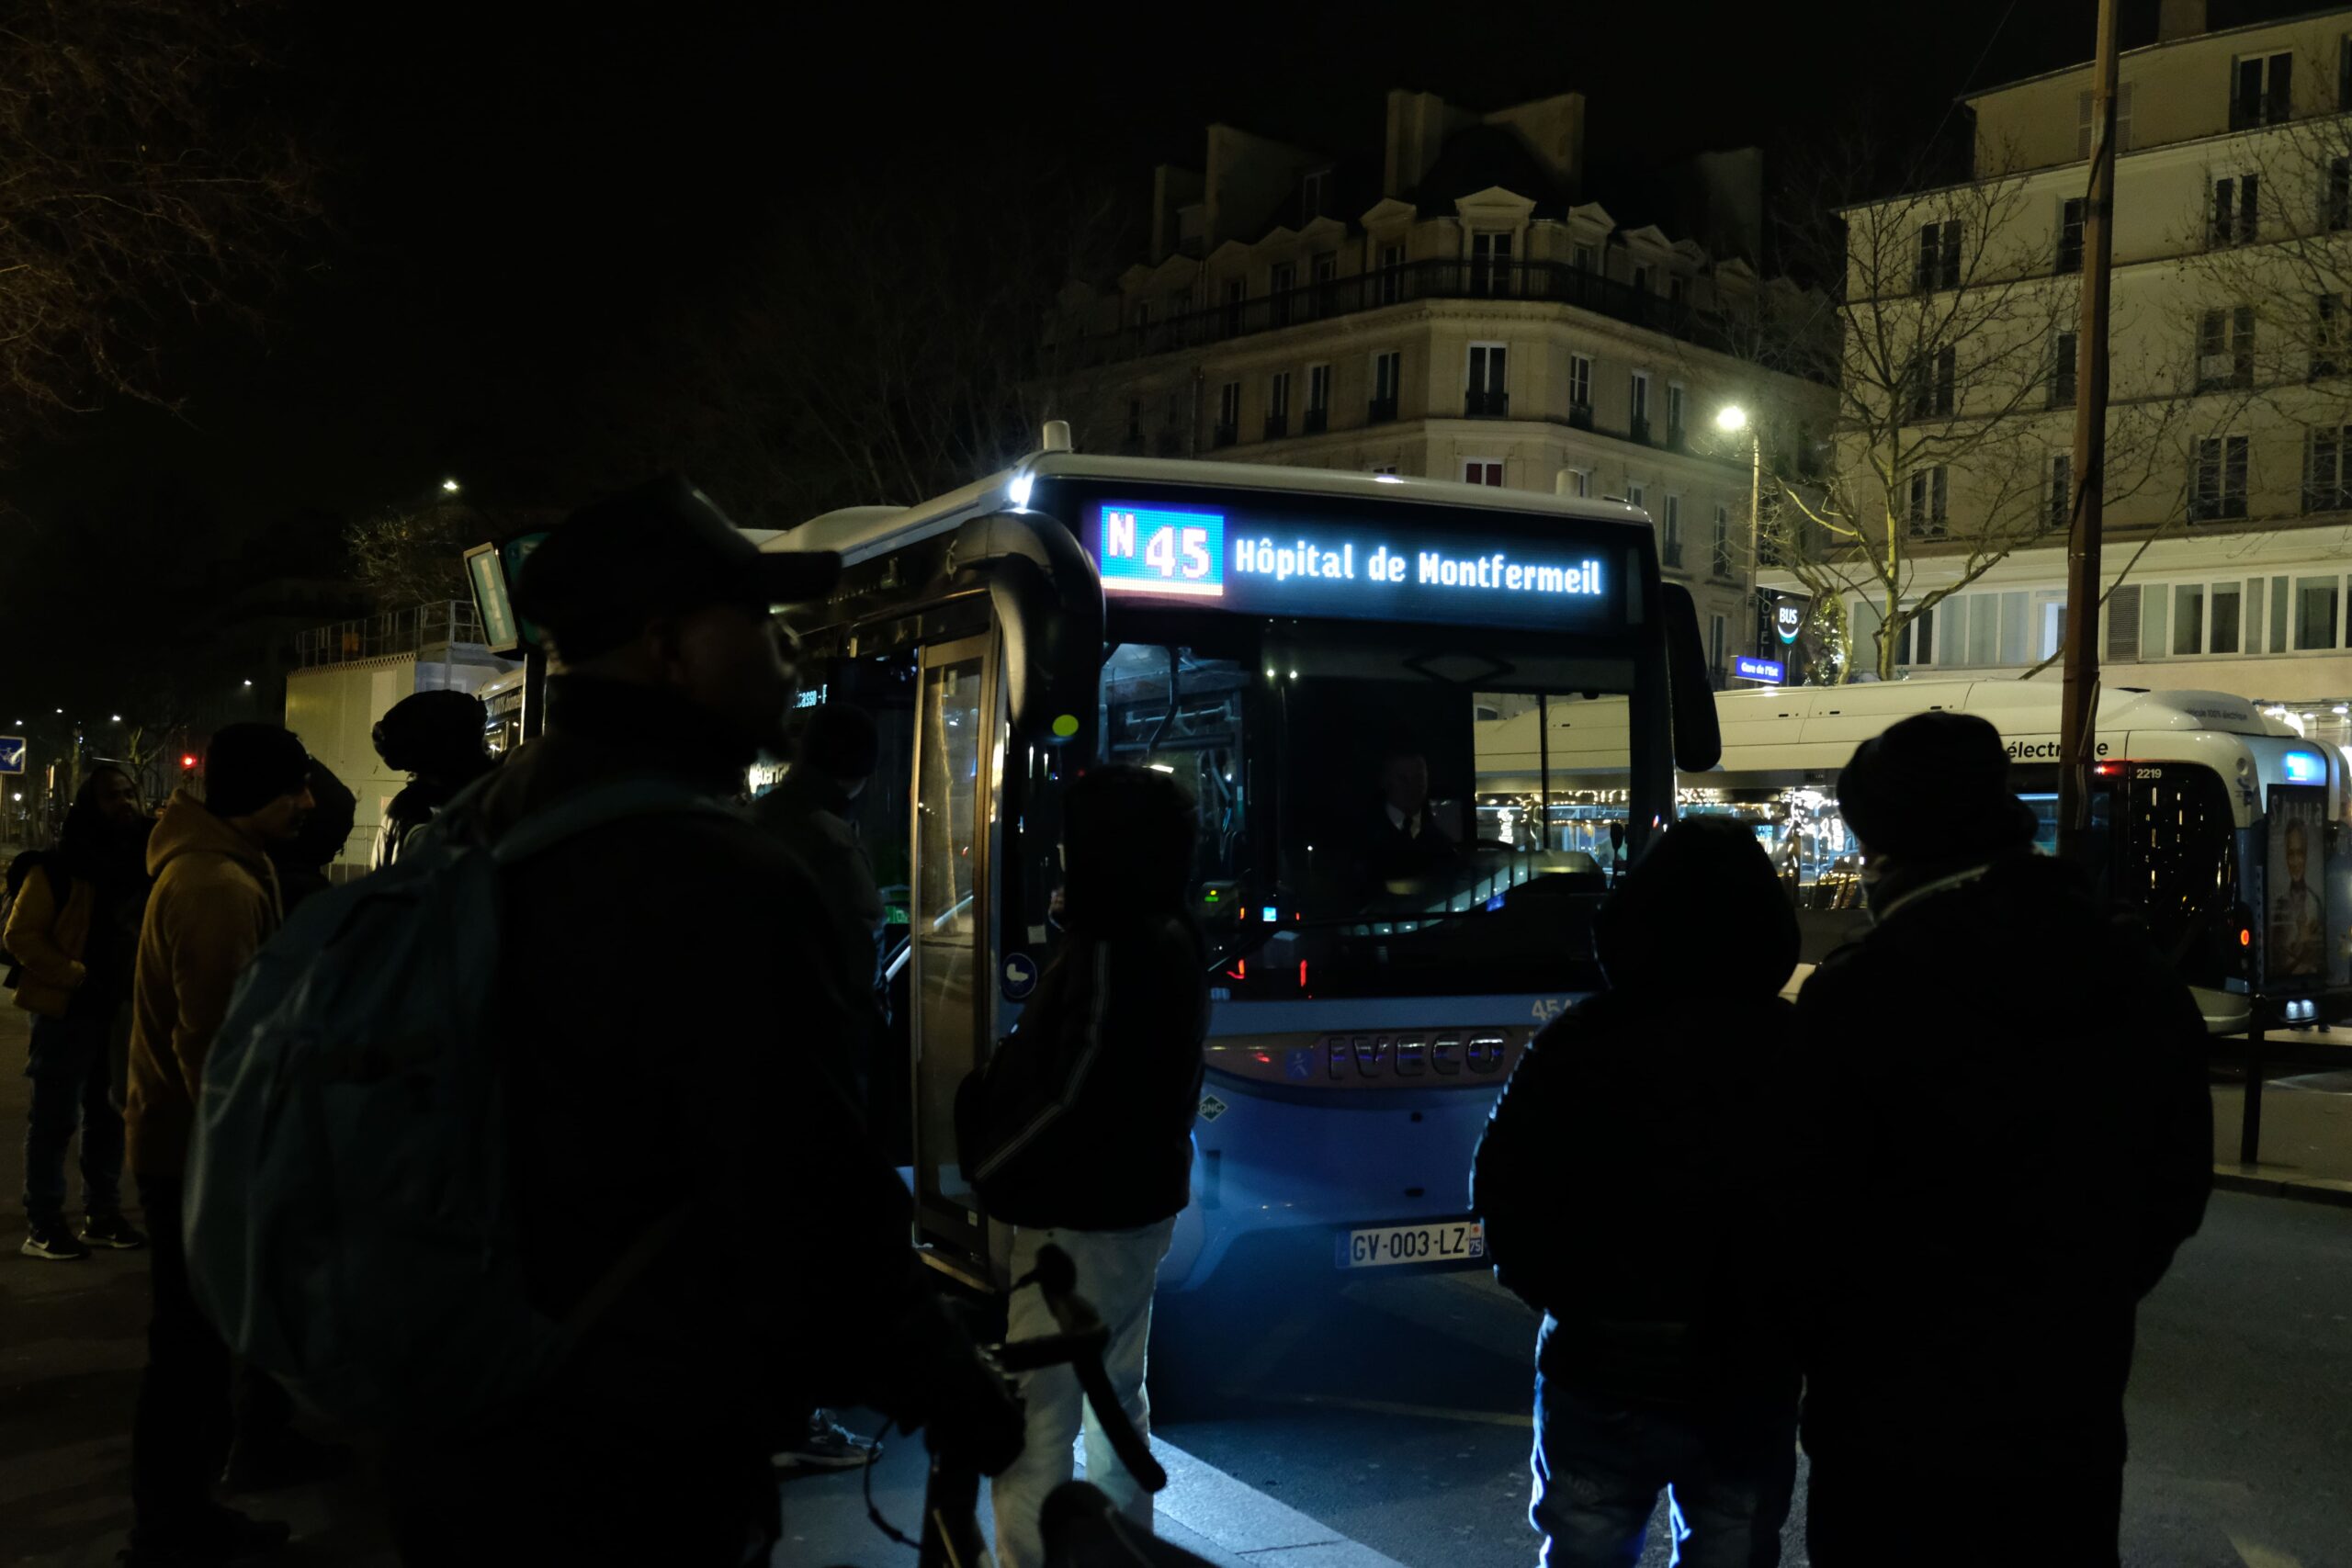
point(1278, 405)
point(2123, 625)
point(1178, 304)
point(1388, 469)
point(1143, 317)
point(1580, 483)
point(2317, 600)
point(1318, 400)
point(1675, 427)
point(1392, 274)
point(2070, 235)
point(2061, 510)
point(2327, 469)
point(2261, 90)
point(1482, 471)
point(2226, 602)
point(1235, 291)
point(1930, 502)
point(1638, 425)
point(1670, 532)
point(2329, 313)
point(1637, 494)
point(1933, 381)
point(1722, 562)
point(1938, 256)
point(2085, 124)
point(1582, 258)
point(1946, 379)
point(2237, 209)
point(1228, 415)
point(1678, 288)
point(2188, 620)
point(1388, 376)
point(1490, 263)
point(2226, 348)
point(2064, 356)
point(1489, 391)
point(1314, 195)
point(2221, 478)
point(2337, 212)
point(1718, 644)
point(1641, 278)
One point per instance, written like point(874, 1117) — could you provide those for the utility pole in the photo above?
point(2078, 718)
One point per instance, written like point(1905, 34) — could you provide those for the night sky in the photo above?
point(518, 203)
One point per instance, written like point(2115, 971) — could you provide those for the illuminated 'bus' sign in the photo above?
point(1375, 569)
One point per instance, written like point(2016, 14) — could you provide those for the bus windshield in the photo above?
point(1374, 820)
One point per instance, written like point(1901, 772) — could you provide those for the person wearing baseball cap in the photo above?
point(674, 1017)
point(2012, 1083)
point(216, 901)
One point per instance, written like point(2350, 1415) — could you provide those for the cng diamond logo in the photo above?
point(1212, 1107)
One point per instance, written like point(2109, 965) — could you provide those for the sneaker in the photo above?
point(830, 1446)
point(111, 1230)
point(285, 1459)
point(47, 1235)
point(223, 1538)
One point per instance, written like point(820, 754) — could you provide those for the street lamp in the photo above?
point(1731, 419)
point(249, 683)
point(449, 486)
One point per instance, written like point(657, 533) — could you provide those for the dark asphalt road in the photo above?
point(1395, 1410)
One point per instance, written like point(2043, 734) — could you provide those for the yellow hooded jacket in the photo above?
point(48, 940)
point(215, 903)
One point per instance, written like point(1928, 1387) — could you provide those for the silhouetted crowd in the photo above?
point(538, 1157)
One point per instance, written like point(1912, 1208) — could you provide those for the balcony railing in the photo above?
point(396, 631)
point(1676, 438)
point(1316, 422)
point(1580, 416)
point(1225, 434)
point(1482, 403)
point(1552, 283)
point(1380, 411)
point(1277, 425)
point(1637, 430)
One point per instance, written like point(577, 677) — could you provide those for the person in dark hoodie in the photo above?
point(1635, 1182)
point(75, 929)
point(2014, 1086)
point(1077, 1132)
point(440, 740)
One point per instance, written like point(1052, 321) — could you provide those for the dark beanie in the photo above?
point(1935, 786)
point(432, 732)
point(249, 765)
point(841, 740)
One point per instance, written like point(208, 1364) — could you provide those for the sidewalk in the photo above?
point(2306, 1143)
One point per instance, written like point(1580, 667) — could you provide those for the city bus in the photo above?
point(1287, 643)
point(2222, 826)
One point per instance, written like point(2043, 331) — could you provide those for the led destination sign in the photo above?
point(1376, 569)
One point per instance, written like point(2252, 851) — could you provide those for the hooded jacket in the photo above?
point(48, 938)
point(2014, 1087)
point(215, 903)
point(1637, 1177)
point(1083, 1117)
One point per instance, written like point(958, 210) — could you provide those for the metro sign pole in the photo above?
point(2078, 716)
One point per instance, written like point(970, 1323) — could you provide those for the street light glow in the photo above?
point(1731, 417)
point(450, 486)
point(249, 683)
point(116, 718)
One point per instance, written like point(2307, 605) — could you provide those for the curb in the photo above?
point(2229, 1178)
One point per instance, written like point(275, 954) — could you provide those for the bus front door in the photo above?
point(949, 902)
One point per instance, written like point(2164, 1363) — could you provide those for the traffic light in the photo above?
point(188, 762)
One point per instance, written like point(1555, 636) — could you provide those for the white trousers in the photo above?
point(1116, 1272)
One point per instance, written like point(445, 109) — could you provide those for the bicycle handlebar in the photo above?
point(951, 1532)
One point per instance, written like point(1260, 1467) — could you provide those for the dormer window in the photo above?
point(1314, 195)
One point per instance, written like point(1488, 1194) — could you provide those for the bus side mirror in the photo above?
point(1698, 738)
point(1048, 603)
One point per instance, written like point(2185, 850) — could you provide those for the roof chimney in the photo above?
point(2179, 20)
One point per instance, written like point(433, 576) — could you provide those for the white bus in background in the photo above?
point(2224, 828)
